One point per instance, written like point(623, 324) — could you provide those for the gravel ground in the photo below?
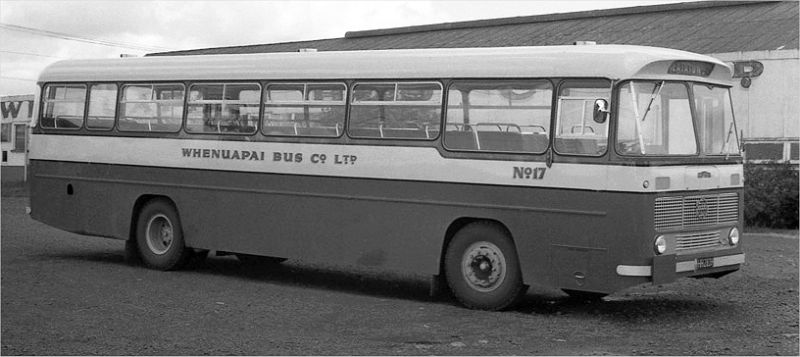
point(65, 294)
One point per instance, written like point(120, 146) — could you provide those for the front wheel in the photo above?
point(159, 236)
point(482, 269)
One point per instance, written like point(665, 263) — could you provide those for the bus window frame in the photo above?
point(689, 93)
point(44, 101)
point(121, 95)
point(117, 99)
point(696, 119)
point(556, 120)
point(554, 82)
point(396, 82)
point(304, 102)
point(187, 93)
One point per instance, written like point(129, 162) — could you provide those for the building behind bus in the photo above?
point(17, 113)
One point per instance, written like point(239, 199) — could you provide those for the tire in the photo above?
point(159, 236)
point(482, 268)
point(259, 261)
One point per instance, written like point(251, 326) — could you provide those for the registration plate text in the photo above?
point(703, 263)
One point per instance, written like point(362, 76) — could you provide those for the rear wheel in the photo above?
point(159, 236)
point(481, 267)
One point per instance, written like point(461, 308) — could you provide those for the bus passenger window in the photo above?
point(63, 106)
point(230, 108)
point(499, 116)
point(576, 131)
point(151, 107)
point(102, 106)
point(304, 109)
point(396, 110)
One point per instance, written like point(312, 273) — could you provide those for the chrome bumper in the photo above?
point(680, 267)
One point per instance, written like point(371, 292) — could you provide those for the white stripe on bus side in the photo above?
point(378, 162)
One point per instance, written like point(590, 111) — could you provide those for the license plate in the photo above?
point(703, 263)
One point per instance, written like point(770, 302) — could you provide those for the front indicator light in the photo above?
point(733, 236)
point(661, 245)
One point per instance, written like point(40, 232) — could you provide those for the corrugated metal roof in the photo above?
point(701, 27)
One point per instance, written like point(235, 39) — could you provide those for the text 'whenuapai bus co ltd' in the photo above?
point(583, 168)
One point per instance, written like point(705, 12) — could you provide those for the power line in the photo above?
point(29, 54)
point(65, 36)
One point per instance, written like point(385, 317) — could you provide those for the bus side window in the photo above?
point(396, 110)
point(229, 108)
point(304, 109)
point(576, 131)
point(499, 116)
point(102, 106)
point(151, 107)
point(63, 106)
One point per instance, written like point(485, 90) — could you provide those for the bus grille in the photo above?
point(696, 211)
point(697, 240)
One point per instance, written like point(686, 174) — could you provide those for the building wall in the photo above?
point(17, 113)
point(768, 112)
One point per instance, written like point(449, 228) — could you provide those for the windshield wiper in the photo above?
point(653, 97)
point(727, 141)
point(635, 99)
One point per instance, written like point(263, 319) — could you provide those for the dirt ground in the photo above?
point(65, 294)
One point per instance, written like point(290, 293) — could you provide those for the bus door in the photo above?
point(580, 142)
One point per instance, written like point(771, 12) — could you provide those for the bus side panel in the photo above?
point(334, 220)
point(577, 244)
point(389, 224)
point(560, 235)
point(334, 230)
point(67, 196)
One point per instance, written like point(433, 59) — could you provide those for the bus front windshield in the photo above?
point(655, 119)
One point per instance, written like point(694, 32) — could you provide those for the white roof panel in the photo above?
point(609, 61)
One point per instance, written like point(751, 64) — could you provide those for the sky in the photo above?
point(34, 34)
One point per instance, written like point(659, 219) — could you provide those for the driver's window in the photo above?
point(578, 130)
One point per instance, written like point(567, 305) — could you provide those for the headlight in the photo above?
point(733, 236)
point(661, 245)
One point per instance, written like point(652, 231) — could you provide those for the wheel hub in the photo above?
point(483, 266)
point(159, 234)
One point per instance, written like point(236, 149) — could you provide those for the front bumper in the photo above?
point(667, 268)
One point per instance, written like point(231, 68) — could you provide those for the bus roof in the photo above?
point(606, 61)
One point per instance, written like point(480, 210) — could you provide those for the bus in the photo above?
point(588, 169)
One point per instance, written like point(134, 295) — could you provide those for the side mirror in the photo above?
point(600, 111)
